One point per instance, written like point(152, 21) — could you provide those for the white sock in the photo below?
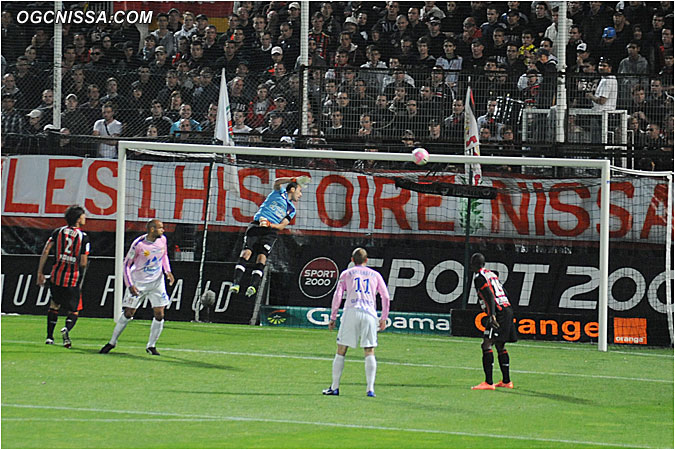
point(338, 365)
point(119, 327)
point(155, 331)
point(371, 369)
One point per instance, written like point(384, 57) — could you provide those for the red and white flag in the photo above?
point(471, 138)
point(224, 119)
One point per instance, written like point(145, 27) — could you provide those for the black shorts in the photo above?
point(260, 240)
point(507, 329)
point(67, 297)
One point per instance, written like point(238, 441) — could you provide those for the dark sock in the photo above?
point(256, 275)
point(504, 366)
point(52, 318)
point(488, 360)
point(70, 321)
point(239, 271)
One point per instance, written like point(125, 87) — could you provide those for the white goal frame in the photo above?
point(602, 165)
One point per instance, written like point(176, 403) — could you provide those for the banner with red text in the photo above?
point(334, 203)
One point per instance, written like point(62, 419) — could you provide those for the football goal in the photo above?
point(579, 262)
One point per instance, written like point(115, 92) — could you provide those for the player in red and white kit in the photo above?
point(72, 252)
point(359, 318)
point(499, 327)
point(145, 265)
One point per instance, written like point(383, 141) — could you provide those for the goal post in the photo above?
point(602, 165)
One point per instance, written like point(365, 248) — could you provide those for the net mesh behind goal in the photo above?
point(539, 230)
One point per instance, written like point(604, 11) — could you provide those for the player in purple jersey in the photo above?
point(499, 327)
point(359, 318)
point(145, 265)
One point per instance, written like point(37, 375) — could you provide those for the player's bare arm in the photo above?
point(170, 277)
point(43, 260)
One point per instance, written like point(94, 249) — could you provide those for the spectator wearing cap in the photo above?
point(610, 48)
point(548, 70)
point(275, 128)
point(514, 25)
point(160, 66)
point(596, 19)
point(475, 63)
point(351, 25)
point(164, 36)
point(202, 22)
point(34, 140)
point(96, 70)
point(175, 20)
point(72, 117)
point(583, 53)
point(294, 18)
point(129, 60)
point(188, 29)
point(430, 10)
point(288, 43)
point(624, 33)
point(604, 98)
point(436, 38)
point(12, 122)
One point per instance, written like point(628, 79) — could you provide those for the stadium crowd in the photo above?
point(381, 73)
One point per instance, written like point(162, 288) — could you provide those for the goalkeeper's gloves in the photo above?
point(264, 222)
point(302, 180)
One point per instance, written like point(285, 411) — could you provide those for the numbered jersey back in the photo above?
point(69, 244)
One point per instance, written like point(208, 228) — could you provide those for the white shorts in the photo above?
point(355, 325)
point(155, 291)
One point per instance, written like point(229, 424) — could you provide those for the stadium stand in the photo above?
point(380, 73)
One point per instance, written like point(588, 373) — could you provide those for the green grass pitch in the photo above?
point(230, 386)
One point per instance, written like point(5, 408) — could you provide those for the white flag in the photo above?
point(224, 119)
point(471, 138)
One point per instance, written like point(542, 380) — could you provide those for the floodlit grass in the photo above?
point(218, 386)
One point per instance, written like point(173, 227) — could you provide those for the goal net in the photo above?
point(555, 237)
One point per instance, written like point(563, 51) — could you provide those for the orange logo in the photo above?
point(630, 330)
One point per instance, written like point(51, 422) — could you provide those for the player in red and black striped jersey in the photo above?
point(71, 246)
point(499, 327)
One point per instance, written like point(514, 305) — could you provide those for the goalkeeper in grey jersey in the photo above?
point(275, 213)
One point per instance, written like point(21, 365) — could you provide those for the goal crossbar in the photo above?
point(602, 165)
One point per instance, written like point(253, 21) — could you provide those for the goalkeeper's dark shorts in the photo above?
point(507, 329)
point(260, 240)
point(67, 297)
